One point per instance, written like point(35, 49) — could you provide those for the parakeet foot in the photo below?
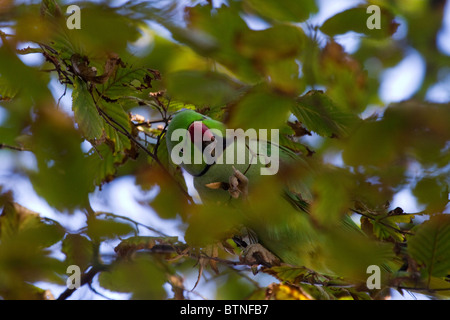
point(238, 184)
point(256, 254)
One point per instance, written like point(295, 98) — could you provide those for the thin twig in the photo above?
point(5, 146)
point(98, 293)
point(158, 140)
point(245, 276)
point(143, 102)
point(132, 221)
point(147, 123)
point(85, 278)
point(381, 222)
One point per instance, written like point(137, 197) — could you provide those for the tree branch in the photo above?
point(109, 214)
point(5, 146)
point(85, 279)
point(381, 222)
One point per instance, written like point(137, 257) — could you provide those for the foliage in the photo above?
point(290, 75)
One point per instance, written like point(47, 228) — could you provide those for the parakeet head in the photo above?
point(188, 135)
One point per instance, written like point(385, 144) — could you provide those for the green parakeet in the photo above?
point(274, 208)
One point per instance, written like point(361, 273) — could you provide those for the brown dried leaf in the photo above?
point(111, 65)
point(80, 65)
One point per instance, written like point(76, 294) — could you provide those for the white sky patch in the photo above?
point(143, 45)
point(405, 200)
point(402, 81)
point(3, 114)
point(254, 22)
point(328, 8)
point(439, 93)
point(123, 197)
point(314, 140)
point(57, 89)
point(334, 158)
point(25, 195)
point(31, 59)
point(349, 41)
point(373, 111)
point(402, 29)
point(443, 37)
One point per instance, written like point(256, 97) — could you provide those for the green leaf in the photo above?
point(85, 110)
point(388, 52)
point(383, 232)
point(432, 192)
point(18, 77)
point(358, 252)
point(290, 274)
point(170, 201)
point(430, 246)
point(201, 88)
point(17, 221)
point(441, 286)
point(104, 163)
point(293, 145)
point(234, 287)
point(102, 27)
point(107, 228)
point(129, 81)
point(268, 45)
point(318, 113)
point(261, 108)
point(63, 176)
point(177, 105)
point(142, 277)
point(121, 121)
point(385, 227)
point(407, 129)
point(331, 201)
point(218, 34)
point(7, 91)
point(15, 218)
point(51, 8)
point(78, 250)
point(24, 257)
point(355, 19)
